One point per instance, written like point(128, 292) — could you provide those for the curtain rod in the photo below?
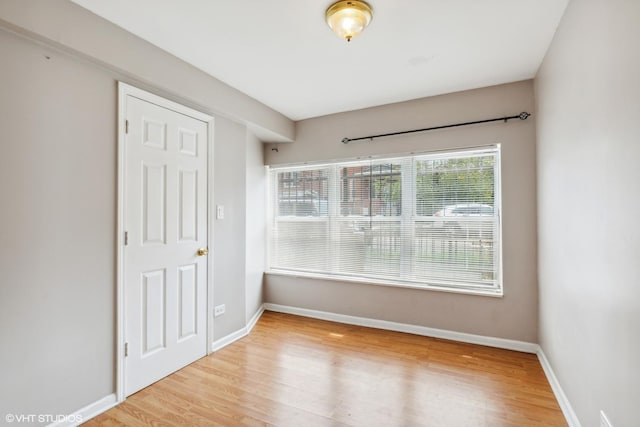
point(522, 116)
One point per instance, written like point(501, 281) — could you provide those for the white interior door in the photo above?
point(165, 219)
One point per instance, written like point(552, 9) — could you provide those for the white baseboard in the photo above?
point(88, 412)
point(240, 333)
point(252, 322)
point(225, 341)
point(522, 346)
point(563, 401)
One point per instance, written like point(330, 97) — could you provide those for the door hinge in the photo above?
point(126, 126)
point(126, 349)
point(126, 238)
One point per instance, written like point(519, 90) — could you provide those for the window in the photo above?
point(427, 221)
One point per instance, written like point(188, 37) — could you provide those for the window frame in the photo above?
point(408, 217)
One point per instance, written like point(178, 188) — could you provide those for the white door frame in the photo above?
point(125, 90)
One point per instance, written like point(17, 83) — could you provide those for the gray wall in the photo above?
point(58, 189)
point(239, 237)
point(58, 231)
point(512, 317)
point(588, 96)
point(229, 232)
point(255, 224)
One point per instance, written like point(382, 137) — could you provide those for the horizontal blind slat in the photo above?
point(350, 219)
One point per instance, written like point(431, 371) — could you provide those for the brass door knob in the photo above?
point(203, 251)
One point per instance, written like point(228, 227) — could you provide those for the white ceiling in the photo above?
point(282, 53)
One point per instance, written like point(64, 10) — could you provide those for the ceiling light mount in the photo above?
point(348, 18)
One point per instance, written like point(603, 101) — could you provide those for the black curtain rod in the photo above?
point(522, 116)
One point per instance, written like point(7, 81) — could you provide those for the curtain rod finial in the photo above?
point(345, 140)
point(524, 115)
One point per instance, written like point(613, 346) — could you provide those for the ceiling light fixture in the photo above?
point(348, 18)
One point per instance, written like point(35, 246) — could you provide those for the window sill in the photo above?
point(496, 293)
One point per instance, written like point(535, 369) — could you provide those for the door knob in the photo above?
point(203, 251)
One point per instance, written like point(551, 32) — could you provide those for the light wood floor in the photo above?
point(295, 371)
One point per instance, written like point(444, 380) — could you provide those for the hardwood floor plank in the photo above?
point(295, 371)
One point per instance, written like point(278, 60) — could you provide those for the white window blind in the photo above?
point(422, 221)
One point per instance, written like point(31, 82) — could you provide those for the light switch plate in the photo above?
point(219, 212)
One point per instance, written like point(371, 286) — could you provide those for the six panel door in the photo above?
point(166, 220)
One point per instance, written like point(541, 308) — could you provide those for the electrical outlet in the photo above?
point(604, 421)
point(219, 310)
